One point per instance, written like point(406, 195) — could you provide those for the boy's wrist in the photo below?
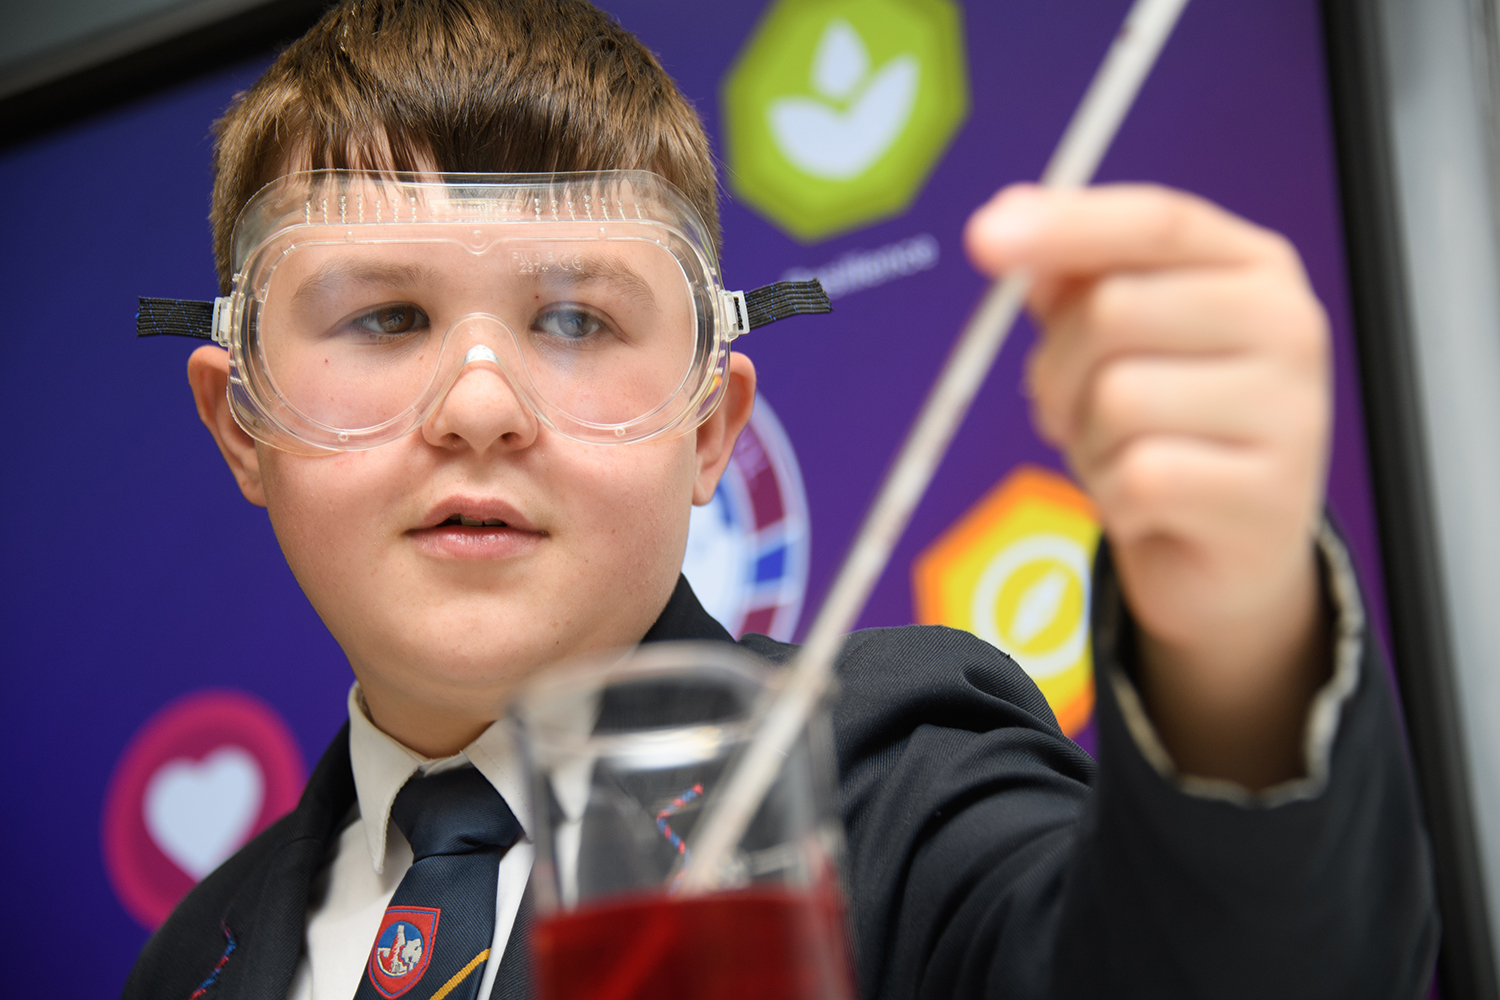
point(1234, 706)
point(1336, 668)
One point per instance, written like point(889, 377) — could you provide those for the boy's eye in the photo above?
point(568, 323)
point(395, 319)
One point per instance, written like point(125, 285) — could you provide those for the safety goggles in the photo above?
point(360, 298)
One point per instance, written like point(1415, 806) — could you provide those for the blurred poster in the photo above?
point(169, 684)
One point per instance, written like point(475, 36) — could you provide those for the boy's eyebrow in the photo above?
point(589, 269)
point(606, 269)
point(337, 272)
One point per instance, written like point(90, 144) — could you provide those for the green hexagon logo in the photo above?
point(837, 110)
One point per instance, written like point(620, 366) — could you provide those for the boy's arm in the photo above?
point(1180, 886)
point(1253, 829)
point(1184, 372)
point(988, 857)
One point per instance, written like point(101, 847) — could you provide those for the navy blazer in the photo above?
point(988, 855)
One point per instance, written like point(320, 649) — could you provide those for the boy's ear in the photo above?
point(717, 434)
point(208, 373)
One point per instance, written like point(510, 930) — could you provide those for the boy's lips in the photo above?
point(472, 528)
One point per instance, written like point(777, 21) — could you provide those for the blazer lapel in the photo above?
point(266, 918)
point(684, 618)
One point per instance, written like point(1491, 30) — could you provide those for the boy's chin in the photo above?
point(442, 695)
point(471, 649)
point(475, 678)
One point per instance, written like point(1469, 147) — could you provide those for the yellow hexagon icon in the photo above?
point(1015, 571)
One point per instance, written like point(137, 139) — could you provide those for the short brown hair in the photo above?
point(500, 86)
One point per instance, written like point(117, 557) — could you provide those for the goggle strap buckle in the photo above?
point(737, 312)
point(184, 318)
point(221, 322)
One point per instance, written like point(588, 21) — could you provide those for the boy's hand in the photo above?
point(1184, 373)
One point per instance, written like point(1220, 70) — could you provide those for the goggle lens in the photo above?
point(356, 335)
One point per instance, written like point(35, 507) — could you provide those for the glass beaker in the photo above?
point(623, 753)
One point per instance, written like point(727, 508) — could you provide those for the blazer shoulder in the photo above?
point(919, 661)
point(194, 938)
point(191, 941)
point(896, 679)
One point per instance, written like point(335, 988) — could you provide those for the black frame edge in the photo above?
point(61, 102)
point(1394, 427)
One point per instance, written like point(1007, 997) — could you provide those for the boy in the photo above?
point(1251, 827)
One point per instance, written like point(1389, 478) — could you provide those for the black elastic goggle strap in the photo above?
point(769, 303)
point(175, 317)
point(194, 318)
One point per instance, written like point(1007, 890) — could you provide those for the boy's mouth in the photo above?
point(473, 522)
point(470, 528)
point(475, 512)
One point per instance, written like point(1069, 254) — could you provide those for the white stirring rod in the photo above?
point(1073, 163)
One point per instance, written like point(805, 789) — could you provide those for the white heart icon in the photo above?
point(838, 144)
point(200, 812)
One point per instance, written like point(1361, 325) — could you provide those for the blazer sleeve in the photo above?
point(990, 857)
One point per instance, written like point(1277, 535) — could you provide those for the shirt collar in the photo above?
point(382, 765)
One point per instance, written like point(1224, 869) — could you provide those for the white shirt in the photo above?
point(354, 888)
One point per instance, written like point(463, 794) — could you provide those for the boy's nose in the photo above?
point(481, 409)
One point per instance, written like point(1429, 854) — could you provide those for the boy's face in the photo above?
point(440, 621)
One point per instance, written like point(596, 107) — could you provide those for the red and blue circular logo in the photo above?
point(748, 547)
point(196, 782)
point(403, 948)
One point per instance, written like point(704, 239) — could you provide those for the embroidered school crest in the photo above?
point(402, 949)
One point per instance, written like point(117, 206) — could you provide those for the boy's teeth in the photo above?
point(474, 522)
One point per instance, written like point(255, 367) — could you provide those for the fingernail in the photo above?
point(1016, 218)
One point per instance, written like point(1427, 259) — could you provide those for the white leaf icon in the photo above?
point(841, 62)
point(821, 139)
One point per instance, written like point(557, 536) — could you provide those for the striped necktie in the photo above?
point(435, 936)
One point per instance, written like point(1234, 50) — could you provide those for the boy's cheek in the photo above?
point(648, 486)
point(311, 499)
point(616, 520)
point(325, 529)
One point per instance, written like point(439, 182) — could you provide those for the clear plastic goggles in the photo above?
point(360, 298)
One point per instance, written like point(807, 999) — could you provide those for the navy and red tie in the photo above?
point(435, 936)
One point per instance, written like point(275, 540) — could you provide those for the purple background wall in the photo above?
point(135, 573)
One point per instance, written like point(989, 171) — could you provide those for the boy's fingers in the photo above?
point(1203, 535)
point(1211, 312)
point(1190, 489)
point(1111, 227)
point(1236, 402)
point(1197, 311)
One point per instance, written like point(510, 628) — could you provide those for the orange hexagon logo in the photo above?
point(1015, 571)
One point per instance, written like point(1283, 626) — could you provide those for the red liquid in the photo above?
point(756, 944)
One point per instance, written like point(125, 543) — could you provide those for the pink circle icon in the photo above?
point(197, 781)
